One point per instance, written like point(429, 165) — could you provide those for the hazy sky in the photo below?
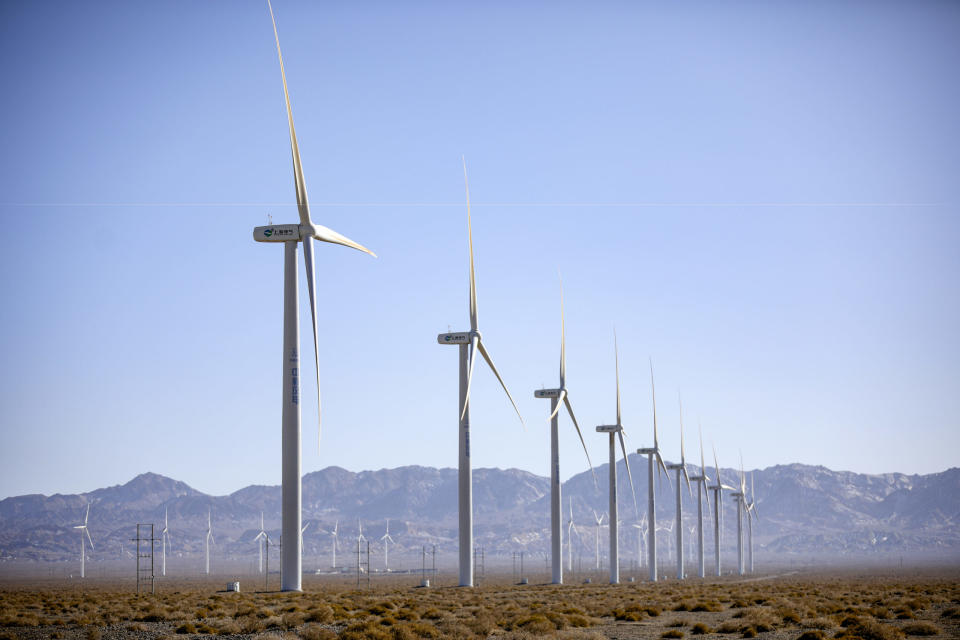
point(762, 197)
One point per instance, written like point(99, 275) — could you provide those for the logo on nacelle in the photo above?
point(268, 232)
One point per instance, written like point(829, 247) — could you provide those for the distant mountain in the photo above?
point(802, 510)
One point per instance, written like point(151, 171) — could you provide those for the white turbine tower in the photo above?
point(208, 541)
point(653, 458)
point(616, 430)
point(740, 498)
point(599, 520)
point(641, 528)
point(702, 494)
point(163, 544)
point(261, 540)
point(386, 540)
point(681, 469)
point(557, 397)
point(83, 543)
point(470, 342)
point(291, 235)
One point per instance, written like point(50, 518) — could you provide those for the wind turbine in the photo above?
point(163, 544)
point(83, 544)
point(386, 539)
point(718, 490)
point(291, 235)
point(681, 469)
point(208, 540)
point(653, 455)
point(702, 494)
point(469, 342)
point(599, 520)
point(571, 529)
point(616, 429)
point(333, 536)
point(641, 528)
point(303, 530)
point(740, 498)
point(261, 538)
point(557, 397)
point(751, 511)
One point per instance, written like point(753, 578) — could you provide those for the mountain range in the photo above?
point(802, 511)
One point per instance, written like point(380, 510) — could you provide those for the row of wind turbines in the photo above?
point(470, 344)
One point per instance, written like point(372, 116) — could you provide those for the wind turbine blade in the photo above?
point(683, 456)
point(86, 517)
point(301, 188)
point(312, 290)
point(566, 402)
point(556, 409)
point(626, 461)
point(87, 531)
point(653, 395)
point(563, 342)
point(486, 356)
point(616, 360)
point(474, 341)
point(661, 466)
point(326, 234)
point(473, 279)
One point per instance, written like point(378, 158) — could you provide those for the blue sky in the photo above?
point(762, 197)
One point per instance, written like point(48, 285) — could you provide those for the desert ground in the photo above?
point(848, 605)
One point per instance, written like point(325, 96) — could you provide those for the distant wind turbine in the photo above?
point(303, 530)
point(386, 540)
point(599, 520)
point(641, 528)
point(571, 529)
point(718, 490)
point(470, 342)
point(208, 540)
point(740, 498)
point(333, 539)
point(681, 469)
point(291, 235)
point(261, 540)
point(83, 544)
point(702, 494)
point(653, 456)
point(163, 544)
point(751, 511)
point(559, 397)
point(616, 430)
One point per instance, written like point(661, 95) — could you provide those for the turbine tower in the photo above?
point(261, 539)
point(207, 541)
point(641, 528)
point(681, 469)
point(702, 494)
point(470, 342)
point(557, 397)
point(333, 539)
point(614, 431)
point(163, 544)
point(291, 235)
point(83, 545)
point(751, 511)
point(653, 456)
point(739, 497)
point(386, 539)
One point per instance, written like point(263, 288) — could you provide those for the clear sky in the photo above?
point(761, 196)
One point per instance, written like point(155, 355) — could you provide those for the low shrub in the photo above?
point(699, 629)
point(921, 629)
point(812, 634)
point(673, 633)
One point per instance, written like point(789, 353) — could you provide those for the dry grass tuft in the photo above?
point(672, 633)
point(921, 629)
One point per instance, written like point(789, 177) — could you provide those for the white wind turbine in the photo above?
point(681, 469)
point(291, 235)
point(653, 457)
point(261, 540)
point(163, 544)
point(641, 528)
point(557, 397)
point(208, 540)
point(751, 511)
point(386, 540)
point(333, 539)
point(599, 520)
point(740, 498)
point(470, 342)
point(718, 490)
point(571, 529)
point(617, 429)
point(303, 530)
point(83, 544)
point(702, 494)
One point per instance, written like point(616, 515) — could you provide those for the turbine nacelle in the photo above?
point(609, 428)
point(277, 233)
point(547, 393)
point(460, 337)
point(645, 451)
